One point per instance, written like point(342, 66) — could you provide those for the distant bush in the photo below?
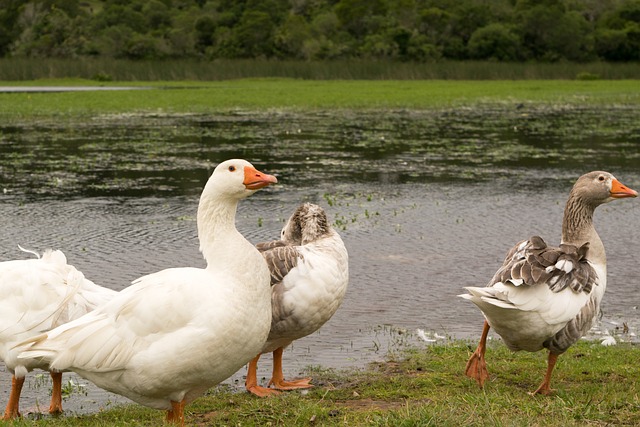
point(495, 41)
point(102, 77)
point(404, 30)
point(587, 76)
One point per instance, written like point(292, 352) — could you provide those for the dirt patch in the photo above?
point(205, 419)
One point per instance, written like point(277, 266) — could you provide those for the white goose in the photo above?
point(545, 297)
point(38, 295)
point(172, 335)
point(309, 273)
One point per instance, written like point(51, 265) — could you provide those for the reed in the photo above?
point(100, 69)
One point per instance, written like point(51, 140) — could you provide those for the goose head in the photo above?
point(598, 187)
point(236, 179)
point(308, 223)
point(231, 181)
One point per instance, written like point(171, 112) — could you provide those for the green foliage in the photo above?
point(408, 30)
point(402, 30)
point(617, 33)
point(290, 37)
point(254, 34)
point(495, 41)
point(550, 34)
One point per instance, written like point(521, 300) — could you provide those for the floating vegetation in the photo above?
point(71, 388)
point(142, 154)
point(161, 155)
point(350, 208)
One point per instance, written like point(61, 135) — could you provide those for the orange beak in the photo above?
point(254, 179)
point(619, 190)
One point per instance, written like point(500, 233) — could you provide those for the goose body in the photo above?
point(309, 277)
point(548, 297)
point(173, 334)
point(561, 284)
point(37, 296)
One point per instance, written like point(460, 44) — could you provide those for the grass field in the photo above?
point(595, 386)
point(264, 94)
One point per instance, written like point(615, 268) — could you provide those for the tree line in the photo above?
point(406, 30)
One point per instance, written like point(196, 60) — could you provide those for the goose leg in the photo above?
point(251, 383)
point(13, 405)
point(176, 414)
point(476, 365)
point(545, 387)
point(56, 395)
point(277, 379)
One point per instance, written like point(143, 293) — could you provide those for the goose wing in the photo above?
point(281, 260)
point(532, 262)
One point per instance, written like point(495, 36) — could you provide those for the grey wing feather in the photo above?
point(265, 246)
point(531, 262)
point(281, 260)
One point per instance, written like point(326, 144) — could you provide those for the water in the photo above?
point(426, 202)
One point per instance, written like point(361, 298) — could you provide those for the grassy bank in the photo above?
point(596, 385)
point(123, 70)
point(205, 97)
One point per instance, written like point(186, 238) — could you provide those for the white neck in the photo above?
point(217, 230)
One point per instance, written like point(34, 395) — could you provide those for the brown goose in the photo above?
point(547, 297)
point(309, 276)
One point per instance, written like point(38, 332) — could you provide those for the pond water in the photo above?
point(427, 202)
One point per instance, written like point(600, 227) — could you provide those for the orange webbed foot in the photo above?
point(545, 387)
point(477, 368)
point(545, 391)
point(11, 415)
point(262, 391)
point(292, 385)
point(476, 365)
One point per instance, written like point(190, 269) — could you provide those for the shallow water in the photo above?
point(427, 203)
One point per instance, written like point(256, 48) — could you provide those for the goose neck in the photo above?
point(578, 228)
point(216, 228)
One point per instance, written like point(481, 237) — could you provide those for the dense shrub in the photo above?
point(495, 41)
point(407, 30)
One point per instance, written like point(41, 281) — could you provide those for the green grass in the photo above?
point(265, 94)
point(595, 385)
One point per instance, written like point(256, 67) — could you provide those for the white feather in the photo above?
point(422, 335)
point(564, 265)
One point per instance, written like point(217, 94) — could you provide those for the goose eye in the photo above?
point(601, 178)
point(232, 168)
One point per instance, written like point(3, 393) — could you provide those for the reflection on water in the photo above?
point(427, 202)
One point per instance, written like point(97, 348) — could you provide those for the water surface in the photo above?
point(427, 202)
